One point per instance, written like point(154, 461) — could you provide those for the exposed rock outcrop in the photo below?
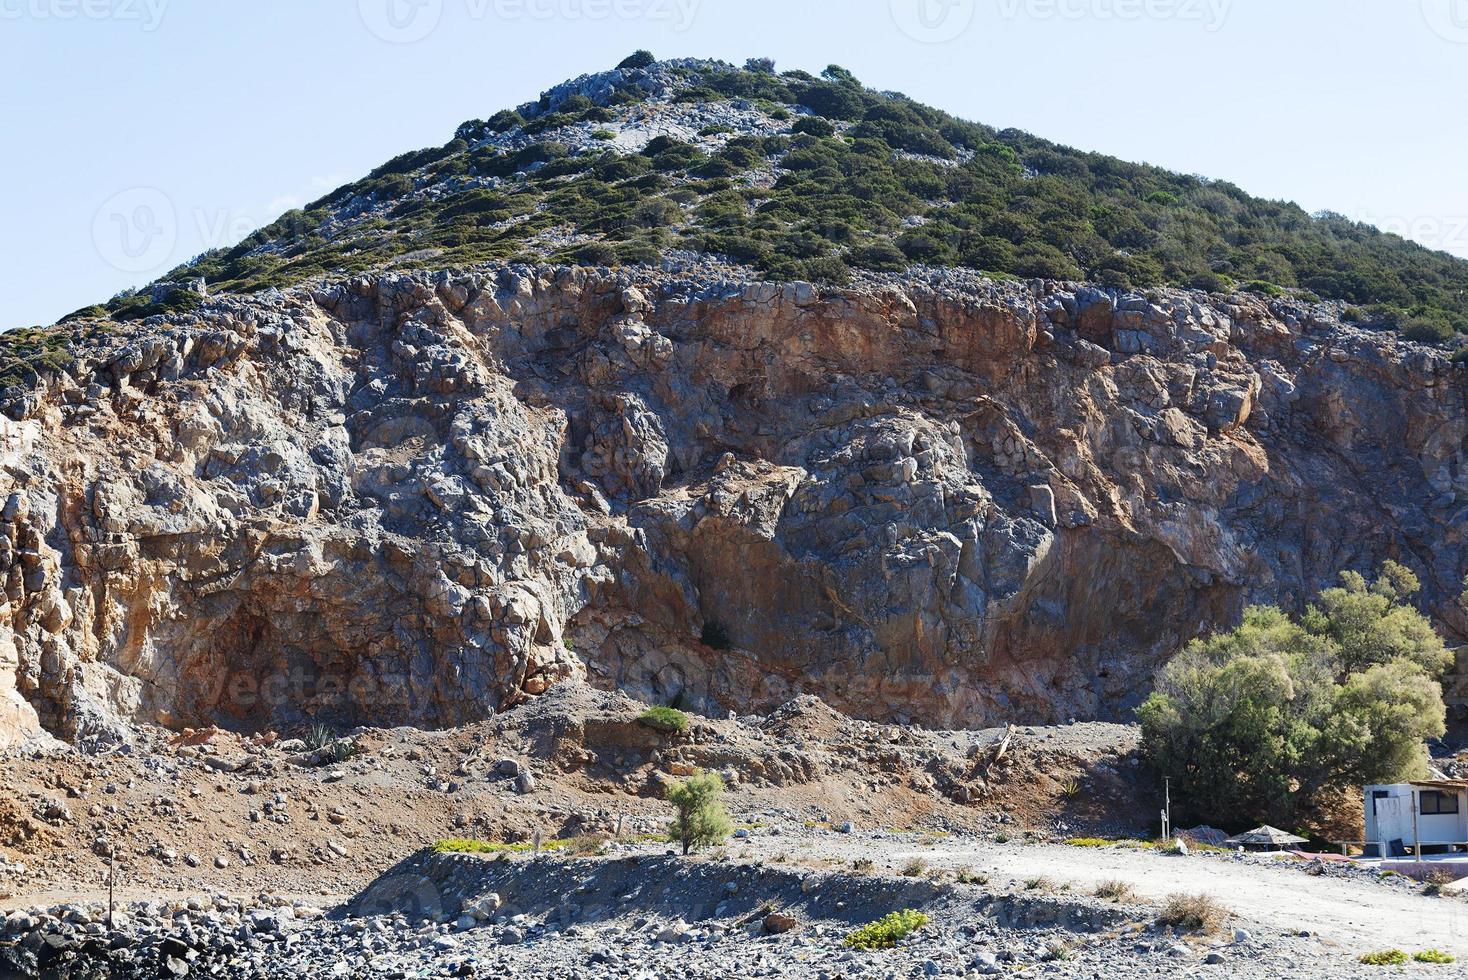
point(416, 498)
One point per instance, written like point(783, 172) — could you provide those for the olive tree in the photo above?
point(1260, 721)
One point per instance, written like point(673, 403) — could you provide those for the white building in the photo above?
point(1432, 814)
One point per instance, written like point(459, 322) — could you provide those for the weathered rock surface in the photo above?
point(415, 498)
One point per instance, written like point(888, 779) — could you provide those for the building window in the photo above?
point(1434, 803)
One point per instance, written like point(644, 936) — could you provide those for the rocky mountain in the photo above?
point(390, 463)
point(417, 497)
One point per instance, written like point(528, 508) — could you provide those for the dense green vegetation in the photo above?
point(862, 180)
point(1263, 722)
point(887, 931)
point(663, 719)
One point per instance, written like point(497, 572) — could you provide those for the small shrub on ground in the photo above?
point(700, 820)
point(1115, 890)
point(1385, 957)
point(1433, 956)
point(1040, 884)
point(323, 740)
point(665, 719)
point(1433, 882)
point(887, 931)
point(967, 876)
point(914, 868)
point(1193, 913)
point(587, 845)
point(862, 864)
point(1089, 842)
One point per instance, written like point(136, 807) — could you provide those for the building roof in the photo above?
point(1266, 835)
point(1439, 783)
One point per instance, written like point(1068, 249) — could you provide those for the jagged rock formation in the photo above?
point(418, 497)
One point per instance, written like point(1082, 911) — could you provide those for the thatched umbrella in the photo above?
point(1266, 838)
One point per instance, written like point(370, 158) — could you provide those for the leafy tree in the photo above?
point(700, 820)
point(1261, 721)
point(1371, 624)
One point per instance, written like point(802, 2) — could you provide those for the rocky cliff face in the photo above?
point(417, 498)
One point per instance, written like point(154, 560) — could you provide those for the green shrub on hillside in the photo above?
point(665, 719)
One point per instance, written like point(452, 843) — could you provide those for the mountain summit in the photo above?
point(809, 178)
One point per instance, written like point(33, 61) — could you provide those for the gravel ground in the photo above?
point(640, 912)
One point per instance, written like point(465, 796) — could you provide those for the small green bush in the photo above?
point(603, 135)
point(700, 819)
point(814, 126)
point(641, 58)
point(1385, 957)
point(1428, 330)
point(665, 720)
point(887, 931)
point(1433, 956)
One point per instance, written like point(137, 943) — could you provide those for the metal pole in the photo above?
point(1416, 840)
point(1167, 794)
point(111, 875)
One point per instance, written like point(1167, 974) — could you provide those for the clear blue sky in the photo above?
point(199, 120)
